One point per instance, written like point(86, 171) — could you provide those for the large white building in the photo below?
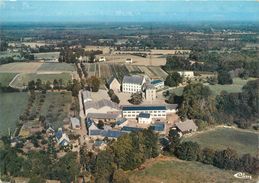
point(186, 74)
point(155, 111)
point(132, 84)
point(101, 106)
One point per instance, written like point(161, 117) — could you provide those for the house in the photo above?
point(186, 74)
point(61, 138)
point(128, 61)
point(101, 106)
point(114, 84)
point(158, 84)
point(75, 123)
point(187, 126)
point(86, 96)
point(144, 118)
point(150, 92)
point(156, 111)
point(132, 84)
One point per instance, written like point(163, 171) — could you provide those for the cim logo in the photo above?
point(241, 175)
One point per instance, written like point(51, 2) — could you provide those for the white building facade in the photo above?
point(132, 84)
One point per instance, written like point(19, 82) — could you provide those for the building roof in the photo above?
point(103, 115)
point(131, 129)
point(135, 79)
point(150, 87)
point(86, 95)
point(139, 108)
point(59, 134)
point(121, 121)
point(75, 122)
point(144, 115)
point(101, 103)
point(111, 80)
point(107, 133)
point(171, 106)
point(88, 122)
point(185, 126)
point(154, 82)
point(158, 127)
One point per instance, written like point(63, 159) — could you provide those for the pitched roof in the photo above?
point(135, 79)
point(121, 121)
point(101, 103)
point(139, 108)
point(185, 126)
point(144, 115)
point(103, 115)
point(171, 106)
point(107, 133)
point(154, 82)
point(109, 81)
point(150, 87)
point(158, 127)
point(131, 129)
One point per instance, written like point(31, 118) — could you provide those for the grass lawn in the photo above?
point(57, 67)
point(56, 107)
point(6, 78)
point(222, 138)
point(175, 171)
point(23, 79)
point(11, 106)
point(233, 88)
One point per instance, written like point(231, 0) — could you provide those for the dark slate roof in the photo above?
point(107, 133)
point(144, 115)
point(95, 132)
point(158, 127)
point(153, 82)
point(131, 129)
point(121, 121)
point(139, 108)
point(109, 81)
point(88, 122)
point(135, 79)
point(58, 134)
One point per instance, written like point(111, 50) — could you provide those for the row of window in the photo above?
point(134, 115)
point(143, 112)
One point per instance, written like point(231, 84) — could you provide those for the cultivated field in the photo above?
point(11, 106)
point(155, 60)
point(22, 79)
point(175, 171)
point(52, 67)
point(105, 71)
point(6, 78)
point(233, 88)
point(20, 67)
point(222, 138)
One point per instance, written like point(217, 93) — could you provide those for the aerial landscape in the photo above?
point(129, 91)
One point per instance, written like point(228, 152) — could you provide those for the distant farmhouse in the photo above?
point(187, 126)
point(128, 61)
point(186, 74)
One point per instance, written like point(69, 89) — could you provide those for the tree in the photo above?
point(115, 99)
point(92, 58)
point(224, 78)
point(119, 176)
point(173, 79)
point(226, 159)
point(188, 151)
point(100, 124)
point(174, 140)
point(93, 83)
point(76, 87)
point(136, 98)
point(207, 156)
point(31, 85)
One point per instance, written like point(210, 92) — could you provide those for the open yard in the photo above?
point(11, 106)
point(175, 171)
point(222, 138)
point(233, 88)
point(23, 79)
point(20, 67)
point(62, 67)
point(6, 78)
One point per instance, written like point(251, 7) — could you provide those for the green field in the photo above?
point(11, 106)
point(57, 67)
point(233, 88)
point(175, 171)
point(56, 107)
point(23, 79)
point(222, 138)
point(6, 78)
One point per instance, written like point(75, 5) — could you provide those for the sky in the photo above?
point(128, 10)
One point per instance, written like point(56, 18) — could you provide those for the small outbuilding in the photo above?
point(75, 123)
point(187, 126)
